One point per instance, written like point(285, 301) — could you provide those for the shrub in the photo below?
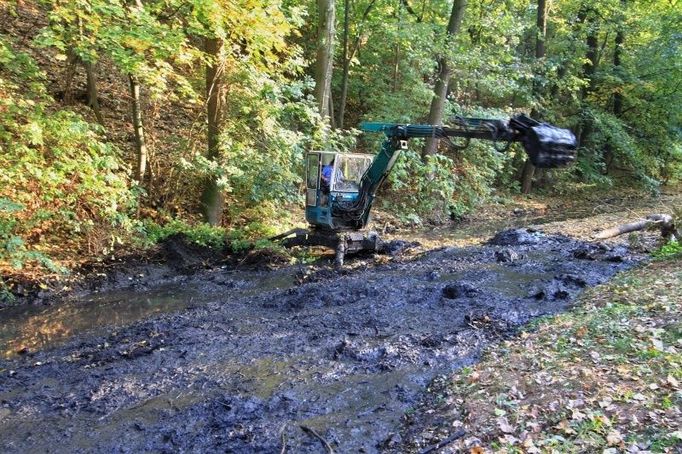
point(61, 184)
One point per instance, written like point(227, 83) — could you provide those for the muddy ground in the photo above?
point(249, 357)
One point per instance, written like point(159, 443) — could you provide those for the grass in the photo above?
point(602, 378)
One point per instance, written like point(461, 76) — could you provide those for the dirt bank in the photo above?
point(255, 356)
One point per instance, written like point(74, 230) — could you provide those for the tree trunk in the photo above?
point(325, 54)
point(346, 65)
point(541, 34)
point(617, 53)
point(617, 94)
point(140, 145)
point(662, 222)
point(71, 66)
point(396, 68)
point(212, 198)
point(589, 67)
point(93, 96)
point(348, 55)
point(443, 78)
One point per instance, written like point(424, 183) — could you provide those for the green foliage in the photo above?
point(60, 178)
point(447, 185)
point(251, 235)
point(201, 234)
point(6, 295)
point(421, 189)
point(669, 250)
point(132, 37)
point(68, 182)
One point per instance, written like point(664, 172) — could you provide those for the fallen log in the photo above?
point(662, 222)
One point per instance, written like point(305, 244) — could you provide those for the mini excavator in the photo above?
point(341, 187)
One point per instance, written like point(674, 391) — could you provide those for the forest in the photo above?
point(154, 152)
point(124, 121)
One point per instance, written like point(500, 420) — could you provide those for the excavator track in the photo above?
point(343, 242)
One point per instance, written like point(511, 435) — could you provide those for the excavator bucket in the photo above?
point(548, 146)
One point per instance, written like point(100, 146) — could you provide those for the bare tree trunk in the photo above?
point(443, 78)
point(346, 65)
point(617, 64)
point(396, 69)
point(332, 117)
point(71, 66)
point(212, 200)
point(140, 145)
point(325, 55)
point(93, 95)
point(541, 34)
point(663, 222)
point(617, 94)
point(591, 55)
point(348, 55)
point(586, 15)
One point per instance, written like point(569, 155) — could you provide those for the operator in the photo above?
point(327, 172)
point(326, 179)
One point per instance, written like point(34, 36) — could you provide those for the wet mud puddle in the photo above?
point(345, 355)
point(26, 329)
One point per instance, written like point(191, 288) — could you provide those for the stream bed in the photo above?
point(234, 361)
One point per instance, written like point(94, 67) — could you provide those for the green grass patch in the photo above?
point(672, 249)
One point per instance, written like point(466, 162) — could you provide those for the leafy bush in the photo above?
point(12, 247)
point(200, 234)
point(61, 183)
point(445, 186)
point(253, 234)
point(672, 249)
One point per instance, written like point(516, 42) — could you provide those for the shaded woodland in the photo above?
point(124, 121)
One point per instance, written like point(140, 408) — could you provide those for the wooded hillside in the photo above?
point(124, 120)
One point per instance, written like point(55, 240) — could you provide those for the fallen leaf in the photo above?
point(504, 425)
point(672, 382)
point(577, 415)
point(614, 438)
point(565, 427)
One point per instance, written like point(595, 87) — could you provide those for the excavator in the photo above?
point(341, 187)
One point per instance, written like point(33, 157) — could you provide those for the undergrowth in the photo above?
point(672, 249)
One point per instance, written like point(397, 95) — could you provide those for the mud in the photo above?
point(247, 358)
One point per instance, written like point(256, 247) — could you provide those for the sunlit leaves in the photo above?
point(57, 172)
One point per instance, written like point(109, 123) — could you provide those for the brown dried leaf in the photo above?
point(614, 438)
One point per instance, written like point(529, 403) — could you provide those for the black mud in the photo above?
point(253, 357)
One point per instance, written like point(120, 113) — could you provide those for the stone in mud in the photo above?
point(516, 237)
point(600, 251)
point(396, 247)
point(617, 255)
point(507, 255)
point(590, 251)
point(453, 291)
point(571, 279)
point(561, 287)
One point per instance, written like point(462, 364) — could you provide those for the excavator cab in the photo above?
point(332, 177)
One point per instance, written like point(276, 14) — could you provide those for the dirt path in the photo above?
point(247, 364)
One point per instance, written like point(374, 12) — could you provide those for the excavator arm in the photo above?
point(547, 146)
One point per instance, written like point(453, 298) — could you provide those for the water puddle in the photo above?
point(26, 329)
